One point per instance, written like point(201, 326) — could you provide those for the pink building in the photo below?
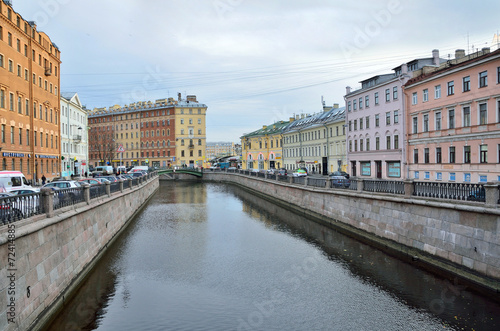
point(375, 123)
point(453, 119)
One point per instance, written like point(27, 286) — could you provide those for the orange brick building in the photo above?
point(29, 98)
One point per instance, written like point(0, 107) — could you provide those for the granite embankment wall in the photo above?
point(458, 238)
point(53, 255)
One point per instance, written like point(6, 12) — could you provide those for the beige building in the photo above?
point(316, 142)
point(190, 132)
point(262, 149)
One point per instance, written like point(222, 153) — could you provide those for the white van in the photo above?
point(12, 180)
point(104, 170)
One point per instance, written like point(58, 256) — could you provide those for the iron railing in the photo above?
point(384, 186)
point(97, 191)
point(316, 182)
point(453, 191)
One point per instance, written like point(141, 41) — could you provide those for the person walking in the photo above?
point(43, 179)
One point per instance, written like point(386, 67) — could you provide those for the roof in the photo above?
point(274, 128)
point(333, 115)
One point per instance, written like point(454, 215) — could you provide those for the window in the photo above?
point(483, 158)
point(425, 95)
point(483, 79)
point(466, 154)
point(361, 103)
point(438, 120)
point(361, 123)
point(438, 154)
point(415, 124)
point(376, 98)
point(414, 98)
point(387, 95)
point(354, 104)
point(498, 75)
point(437, 92)
point(466, 84)
point(395, 93)
point(350, 126)
point(452, 154)
point(396, 116)
point(388, 118)
point(483, 114)
point(426, 123)
point(451, 88)
point(466, 116)
point(451, 119)
point(415, 156)
point(377, 120)
point(426, 155)
point(367, 101)
point(377, 143)
point(368, 145)
point(11, 134)
point(348, 106)
point(368, 120)
point(396, 142)
point(355, 125)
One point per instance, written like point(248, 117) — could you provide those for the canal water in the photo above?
point(215, 257)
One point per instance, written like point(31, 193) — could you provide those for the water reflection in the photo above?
point(214, 257)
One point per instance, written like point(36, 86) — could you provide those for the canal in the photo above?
point(215, 257)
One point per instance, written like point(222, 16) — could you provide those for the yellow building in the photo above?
point(263, 149)
point(190, 132)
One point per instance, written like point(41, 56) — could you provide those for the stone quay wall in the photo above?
point(52, 253)
point(460, 239)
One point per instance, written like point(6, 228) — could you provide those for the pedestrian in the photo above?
point(313, 170)
point(43, 179)
point(85, 174)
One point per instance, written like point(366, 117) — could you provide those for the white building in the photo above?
point(74, 136)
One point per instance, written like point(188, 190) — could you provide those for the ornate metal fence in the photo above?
point(454, 191)
point(384, 186)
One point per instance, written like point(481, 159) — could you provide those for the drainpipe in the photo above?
point(405, 156)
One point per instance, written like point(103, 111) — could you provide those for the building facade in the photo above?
point(316, 142)
point(29, 97)
point(454, 120)
point(220, 149)
point(263, 149)
point(190, 132)
point(146, 133)
point(375, 123)
point(74, 136)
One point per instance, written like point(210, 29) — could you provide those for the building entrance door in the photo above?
point(378, 169)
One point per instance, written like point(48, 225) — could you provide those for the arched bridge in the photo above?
point(188, 171)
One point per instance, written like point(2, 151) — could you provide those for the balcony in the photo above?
point(77, 138)
point(191, 146)
point(48, 72)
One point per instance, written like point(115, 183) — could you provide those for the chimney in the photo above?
point(459, 53)
point(485, 50)
point(179, 96)
point(292, 119)
point(297, 117)
point(335, 106)
point(191, 98)
point(347, 89)
point(435, 57)
point(302, 115)
point(264, 127)
point(404, 69)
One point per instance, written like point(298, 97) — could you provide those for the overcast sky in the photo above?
point(252, 62)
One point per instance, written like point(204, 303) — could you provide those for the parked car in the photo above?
point(62, 184)
point(299, 173)
point(90, 181)
point(112, 179)
point(8, 212)
point(26, 203)
point(103, 180)
point(339, 180)
point(282, 172)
